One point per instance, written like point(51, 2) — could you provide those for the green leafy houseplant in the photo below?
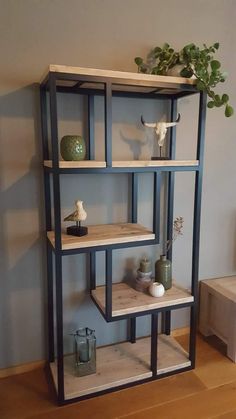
point(197, 62)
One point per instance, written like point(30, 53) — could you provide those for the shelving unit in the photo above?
point(136, 360)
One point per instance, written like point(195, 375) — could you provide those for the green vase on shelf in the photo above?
point(73, 148)
point(163, 272)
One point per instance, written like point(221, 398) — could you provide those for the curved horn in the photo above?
point(146, 124)
point(172, 124)
point(142, 120)
point(178, 118)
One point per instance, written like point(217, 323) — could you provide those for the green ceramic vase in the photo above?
point(73, 147)
point(163, 272)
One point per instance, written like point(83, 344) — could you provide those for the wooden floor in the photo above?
point(207, 392)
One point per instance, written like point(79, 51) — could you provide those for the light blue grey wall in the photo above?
point(101, 34)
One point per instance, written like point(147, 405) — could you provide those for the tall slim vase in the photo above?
point(163, 272)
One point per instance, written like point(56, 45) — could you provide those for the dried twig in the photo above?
point(177, 231)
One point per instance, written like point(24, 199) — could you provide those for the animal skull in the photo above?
point(160, 128)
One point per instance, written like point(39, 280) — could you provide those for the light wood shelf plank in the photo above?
point(82, 164)
point(122, 363)
point(126, 300)
point(138, 77)
point(154, 163)
point(93, 164)
point(170, 355)
point(104, 234)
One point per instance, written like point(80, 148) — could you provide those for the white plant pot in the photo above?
point(156, 289)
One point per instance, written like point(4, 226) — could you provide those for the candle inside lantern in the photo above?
point(145, 265)
point(84, 352)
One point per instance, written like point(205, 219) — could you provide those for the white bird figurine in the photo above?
point(160, 129)
point(78, 215)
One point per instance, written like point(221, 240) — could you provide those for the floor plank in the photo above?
point(23, 395)
point(126, 401)
point(203, 405)
point(213, 369)
point(207, 392)
point(229, 415)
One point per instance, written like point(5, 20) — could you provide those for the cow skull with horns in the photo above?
point(160, 129)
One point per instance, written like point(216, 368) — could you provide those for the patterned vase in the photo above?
point(163, 272)
point(73, 147)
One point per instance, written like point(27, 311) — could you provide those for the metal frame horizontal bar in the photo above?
point(124, 386)
point(68, 171)
point(118, 93)
point(105, 247)
point(108, 390)
point(125, 82)
point(110, 319)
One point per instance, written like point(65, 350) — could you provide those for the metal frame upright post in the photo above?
point(196, 225)
point(108, 124)
point(47, 203)
point(134, 219)
point(156, 205)
point(108, 294)
point(108, 158)
point(91, 156)
point(170, 202)
point(90, 144)
point(57, 223)
point(154, 340)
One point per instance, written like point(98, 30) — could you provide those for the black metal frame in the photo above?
point(50, 84)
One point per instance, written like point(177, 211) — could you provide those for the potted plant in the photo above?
point(193, 61)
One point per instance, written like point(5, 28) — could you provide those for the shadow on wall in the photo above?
point(135, 145)
point(21, 228)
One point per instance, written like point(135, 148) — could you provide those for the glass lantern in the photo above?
point(85, 351)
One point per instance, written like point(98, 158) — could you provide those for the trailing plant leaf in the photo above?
point(138, 61)
point(215, 65)
point(186, 72)
point(225, 98)
point(211, 104)
point(198, 62)
point(200, 85)
point(228, 111)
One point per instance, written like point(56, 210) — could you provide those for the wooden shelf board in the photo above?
point(122, 363)
point(82, 164)
point(93, 164)
point(170, 355)
point(138, 77)
point(104, 234)
point(126, 300)
point(154, 163)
